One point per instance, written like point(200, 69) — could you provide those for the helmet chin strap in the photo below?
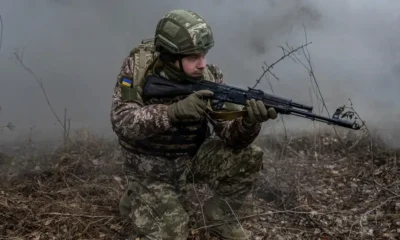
point(182, 71)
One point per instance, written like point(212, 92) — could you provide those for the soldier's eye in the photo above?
point(193, 57)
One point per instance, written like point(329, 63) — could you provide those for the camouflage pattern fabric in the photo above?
point(155, 198)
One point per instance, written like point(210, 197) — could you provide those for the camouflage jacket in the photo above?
point(134, 120)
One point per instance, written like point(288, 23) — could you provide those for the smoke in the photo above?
point(279, 20)
point(77, 48)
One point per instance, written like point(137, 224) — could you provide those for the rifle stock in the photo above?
point(159, 87)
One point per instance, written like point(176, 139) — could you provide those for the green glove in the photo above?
point(190, 108)
point(258, 113)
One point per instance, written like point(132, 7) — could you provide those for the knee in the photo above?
point(251, 156)
point(255, 152)
point(252, 151)
point(155, 211)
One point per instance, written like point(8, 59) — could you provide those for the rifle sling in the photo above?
point(224, 115)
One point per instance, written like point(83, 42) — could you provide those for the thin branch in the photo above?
point(280, 59)
point(197, 195)
point(235, 215)
point(319, 100)
point(269, 71)
point(313, 79)
point(308, 57)
point(19, 58)
point(39, 81)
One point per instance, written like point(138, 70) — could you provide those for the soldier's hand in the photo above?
point(190, 108)
point(258, 113)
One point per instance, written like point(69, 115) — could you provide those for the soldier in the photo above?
point(168, 142)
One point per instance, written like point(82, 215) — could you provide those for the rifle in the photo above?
point(159, 87)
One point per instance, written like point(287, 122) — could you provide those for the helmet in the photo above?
point(183, 32)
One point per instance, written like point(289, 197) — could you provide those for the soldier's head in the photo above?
point(183, 39)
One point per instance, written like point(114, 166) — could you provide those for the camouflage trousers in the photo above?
point(155, 196)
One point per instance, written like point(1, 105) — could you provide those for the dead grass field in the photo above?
point(310, 188)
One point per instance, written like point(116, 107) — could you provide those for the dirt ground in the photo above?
point(313, 186)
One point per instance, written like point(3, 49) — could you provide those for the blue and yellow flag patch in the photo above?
point(127, 82)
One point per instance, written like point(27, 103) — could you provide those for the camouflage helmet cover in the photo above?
point(183, 32)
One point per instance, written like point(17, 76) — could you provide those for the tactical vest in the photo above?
point(182, 138)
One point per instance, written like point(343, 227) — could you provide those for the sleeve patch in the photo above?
point(127, 82)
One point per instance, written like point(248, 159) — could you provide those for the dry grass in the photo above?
point(66, 194)
point(321, 191)
point(310, 189)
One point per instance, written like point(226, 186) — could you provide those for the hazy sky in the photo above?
point(77, 48)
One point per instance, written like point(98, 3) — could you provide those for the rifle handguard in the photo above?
point(227, 115)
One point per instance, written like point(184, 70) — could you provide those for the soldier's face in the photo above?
point(194, 65)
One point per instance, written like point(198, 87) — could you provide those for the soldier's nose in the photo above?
point(202, 63)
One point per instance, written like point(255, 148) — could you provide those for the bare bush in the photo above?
point(66, 122)
point(8, 126)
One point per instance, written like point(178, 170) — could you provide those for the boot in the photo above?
point(217, 211)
